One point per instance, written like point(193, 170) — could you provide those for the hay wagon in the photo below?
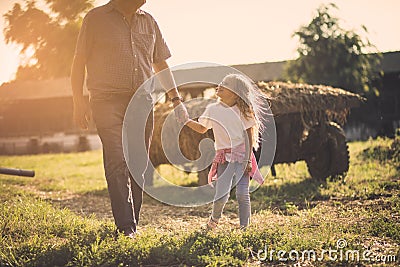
point(308, 121)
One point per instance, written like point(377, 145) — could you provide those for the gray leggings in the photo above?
point(228, 174)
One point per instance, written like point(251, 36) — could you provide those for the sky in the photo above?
point(242, 31)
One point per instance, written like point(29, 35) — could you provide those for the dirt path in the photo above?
point(153, 214)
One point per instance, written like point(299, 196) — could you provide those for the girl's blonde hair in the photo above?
point(251, 102)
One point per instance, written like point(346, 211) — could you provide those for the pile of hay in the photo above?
point(313, 101)
point(189, 140)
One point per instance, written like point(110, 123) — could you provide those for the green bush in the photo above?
point(385, 153)
point(34, 233)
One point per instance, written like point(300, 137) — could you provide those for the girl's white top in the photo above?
point(228, 124)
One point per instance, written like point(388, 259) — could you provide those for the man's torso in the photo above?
point(119, 53)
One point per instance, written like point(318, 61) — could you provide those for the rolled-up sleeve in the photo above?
point(248, 122)
point(84, 41)
point(161, 50)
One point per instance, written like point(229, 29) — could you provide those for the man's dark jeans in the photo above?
point(126, 195)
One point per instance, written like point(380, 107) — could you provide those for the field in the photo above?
point(62, 217)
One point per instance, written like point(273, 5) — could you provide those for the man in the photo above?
point(118, 47)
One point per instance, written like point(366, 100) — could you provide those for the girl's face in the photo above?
point(226, 95)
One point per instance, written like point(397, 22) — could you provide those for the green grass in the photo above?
point(42, 223)
point(75, 172)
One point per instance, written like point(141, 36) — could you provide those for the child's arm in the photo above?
point(195, 126)
point(250, 138)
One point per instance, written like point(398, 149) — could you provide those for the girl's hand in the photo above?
point(248, 167)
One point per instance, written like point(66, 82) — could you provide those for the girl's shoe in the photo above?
point(212, 224)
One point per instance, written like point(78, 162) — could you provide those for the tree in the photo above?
point(47, 36)
point(333, 56)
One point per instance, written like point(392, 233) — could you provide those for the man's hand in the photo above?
point(181, 114)
point(81, 114)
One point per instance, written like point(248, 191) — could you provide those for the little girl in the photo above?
point(236, 122)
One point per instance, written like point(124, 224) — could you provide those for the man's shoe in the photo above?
point(129, 232)
point(130, 235)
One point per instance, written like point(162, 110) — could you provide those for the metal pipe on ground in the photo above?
point(17, 172)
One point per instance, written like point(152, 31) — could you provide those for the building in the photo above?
point(36, 117)
point(45, 107)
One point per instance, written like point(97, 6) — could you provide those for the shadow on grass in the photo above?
point(285, 197)
point(94, 202)
point(301, 195)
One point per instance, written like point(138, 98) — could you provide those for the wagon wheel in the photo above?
point(341, 159)
point(332, 157)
